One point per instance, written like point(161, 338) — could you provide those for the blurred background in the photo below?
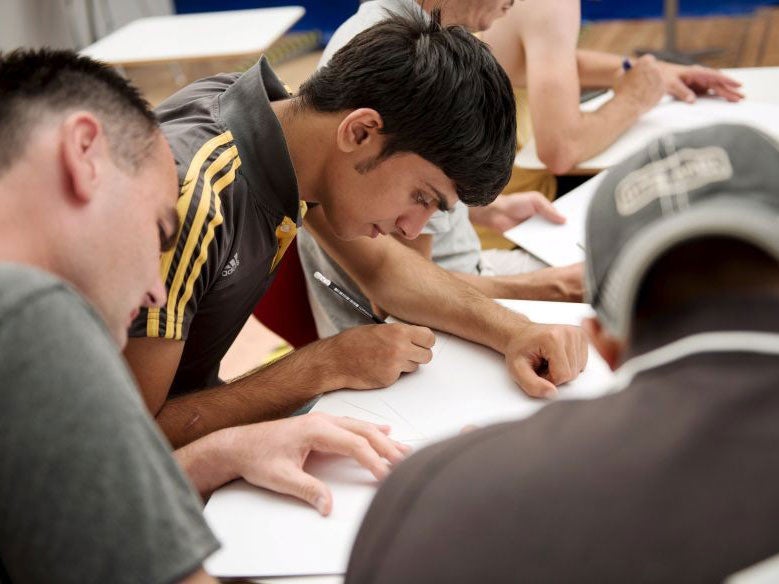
point(745, 31)
point(77, 23)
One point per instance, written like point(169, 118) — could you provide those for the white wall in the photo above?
point(65, 23)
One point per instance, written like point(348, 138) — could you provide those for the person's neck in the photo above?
point(448, 17)
point(756, 310)
point(309, 136)
point(22, 238)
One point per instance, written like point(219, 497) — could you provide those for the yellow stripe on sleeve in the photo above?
point(182, 206)
point(216, 220)
point(198, 225)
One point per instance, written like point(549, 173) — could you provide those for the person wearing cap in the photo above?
point(673, 476)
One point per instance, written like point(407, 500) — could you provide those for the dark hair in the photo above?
point(34, 83)
point(703, 267)
point(440, 93)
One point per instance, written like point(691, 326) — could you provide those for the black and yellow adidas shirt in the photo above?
point(239, 210)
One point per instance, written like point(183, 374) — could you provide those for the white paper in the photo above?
point(559, 245)
point(265, 534)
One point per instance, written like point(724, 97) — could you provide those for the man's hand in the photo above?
point(510, 210)
point(542, 356)
point(642, 85)
point(373, 356)
point(272, 454)
point(687, 82)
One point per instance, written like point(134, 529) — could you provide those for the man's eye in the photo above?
point(422, 201)
point(166, 241)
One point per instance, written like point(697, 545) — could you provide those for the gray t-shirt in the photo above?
point(89, 491)
point(456, 245)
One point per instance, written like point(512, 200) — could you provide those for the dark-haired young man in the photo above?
point(448, 239)
point(535, 42)
point(674, 477)
point(89, 491)
point(409, 117)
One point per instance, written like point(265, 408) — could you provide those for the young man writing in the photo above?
point(376, 142)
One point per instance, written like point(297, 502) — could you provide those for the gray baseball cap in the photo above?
point(721, 180)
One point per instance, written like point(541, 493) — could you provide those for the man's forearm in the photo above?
point(267, 393)
point(537, 285)
point(207, 462)
point(415, 289)
point(601, 128)
point(590, 135)
point(418, 291)
point(444, 302)
point(596, 68)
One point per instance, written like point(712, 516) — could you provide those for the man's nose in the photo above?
point(156, 295)
point(410, 225)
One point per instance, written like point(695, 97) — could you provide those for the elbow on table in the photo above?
point(558, 157)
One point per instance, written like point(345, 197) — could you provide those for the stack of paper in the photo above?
point(559, 245)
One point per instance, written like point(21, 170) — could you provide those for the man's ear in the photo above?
point(359, 129)
point(609, 348)
point(84, 148)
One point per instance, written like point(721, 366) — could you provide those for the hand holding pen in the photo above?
point(640, 83)
point(370, 357)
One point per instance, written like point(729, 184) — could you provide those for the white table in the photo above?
point(185, 37)
point(760, 85)
point(272, 535)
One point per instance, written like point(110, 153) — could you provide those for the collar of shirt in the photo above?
point(267, 166)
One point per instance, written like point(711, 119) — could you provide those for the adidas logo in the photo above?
point(231, 266)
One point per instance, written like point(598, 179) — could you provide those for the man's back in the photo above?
point(672, 480)
point(88, 489)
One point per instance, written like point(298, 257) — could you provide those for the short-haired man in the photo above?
point(408, 118)
point(673, 478)
point(89, 491)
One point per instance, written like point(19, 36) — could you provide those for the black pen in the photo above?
point(349, 300)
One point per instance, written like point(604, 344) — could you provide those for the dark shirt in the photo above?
point(239, 210)
point(673, 479)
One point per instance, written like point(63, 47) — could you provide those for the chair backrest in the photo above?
point(284, 308)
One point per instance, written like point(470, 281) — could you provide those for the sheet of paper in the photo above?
point(265, 534)
point(559, 245)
